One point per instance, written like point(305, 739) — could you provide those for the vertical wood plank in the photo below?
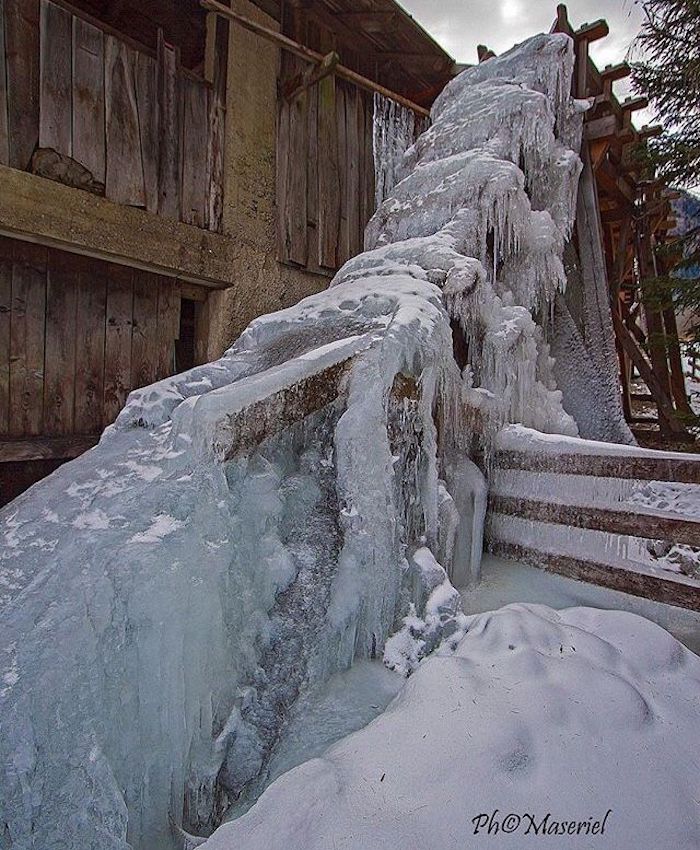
point(312, 180)
point(5, 314)
point(22, 54)
point(90, 345)
point(295, 208)
point(124, 179)
point(217, 118)
point(328, 172)
point(117, 379)
point(59, 374)
point(168, 324)
point(144, 335)
point(55, 78)
point(27, 338)
point(194, 186)
point(147, 102)
point(89, 98)
point(352, 192)
point(283, 155)
point(4, 133)
point(169, 130)
point(342, 248)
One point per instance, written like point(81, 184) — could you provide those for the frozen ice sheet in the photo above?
point(504, 582)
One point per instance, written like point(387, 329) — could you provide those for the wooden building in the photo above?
point(167, 173)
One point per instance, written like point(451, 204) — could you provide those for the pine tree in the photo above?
point(668, 73)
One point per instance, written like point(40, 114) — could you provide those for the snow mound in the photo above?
point(573, 715)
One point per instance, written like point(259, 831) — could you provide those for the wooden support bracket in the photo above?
point(632, 104)
point(649, 131)
point(592, 32)
point(299, 83)
point(611, 73)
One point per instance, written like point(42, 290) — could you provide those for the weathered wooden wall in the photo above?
point(76, 335)
point(325, 162)
point(135, 119)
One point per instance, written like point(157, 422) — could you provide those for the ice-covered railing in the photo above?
point(255, 524)
point(618, 516)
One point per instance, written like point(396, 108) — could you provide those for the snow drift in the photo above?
point(250, 526)
point(571, 715)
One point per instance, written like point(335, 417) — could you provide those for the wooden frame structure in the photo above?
point(635, 216)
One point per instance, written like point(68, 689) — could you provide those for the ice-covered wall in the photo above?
point(252, 525)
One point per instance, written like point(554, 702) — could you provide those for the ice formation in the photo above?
point(562, 716)
point(395, 130)
point(250, 527)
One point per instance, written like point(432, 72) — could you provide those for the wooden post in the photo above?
point(648, 375)
point(678, 388)
point(655, 329)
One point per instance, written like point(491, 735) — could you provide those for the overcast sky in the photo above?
point(459, 25)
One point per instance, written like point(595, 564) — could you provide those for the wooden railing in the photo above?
point(534, 529)
point(85, 107)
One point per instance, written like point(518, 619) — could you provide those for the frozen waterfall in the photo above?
point(252, 526)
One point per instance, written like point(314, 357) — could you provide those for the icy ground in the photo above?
point(504, 582)
point(575, 714)
point(324, 714)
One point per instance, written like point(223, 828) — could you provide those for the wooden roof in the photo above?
point(379, 39)
point(182, 21)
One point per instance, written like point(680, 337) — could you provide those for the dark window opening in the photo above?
point(185, 345)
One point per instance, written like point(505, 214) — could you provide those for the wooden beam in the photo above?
point(614, 184)
point(620, 258)
point(633, 521)
point(45, 448)
point(599, 149)
point(95, 227)
point(600, 128)
point(311, 56)
point(561, 22)
point(414, 61)
point(628, 466)
point(245, 429)
point(611, 73)
point(650, 131)
point(647, 586)
point(632, 104)
point(593, 32)
point(308, 78)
